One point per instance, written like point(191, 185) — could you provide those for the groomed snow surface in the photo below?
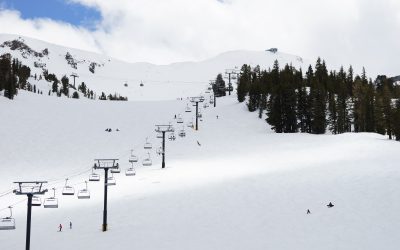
point(245, 187)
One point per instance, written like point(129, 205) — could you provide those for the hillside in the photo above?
point(102, 73)
point(245, 187)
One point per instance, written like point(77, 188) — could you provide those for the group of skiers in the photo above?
point(60, 227)
point(110, 130)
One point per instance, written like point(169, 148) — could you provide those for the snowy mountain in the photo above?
point(101, 73)
point(232, 185)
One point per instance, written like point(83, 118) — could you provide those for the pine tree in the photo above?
point(65, 85)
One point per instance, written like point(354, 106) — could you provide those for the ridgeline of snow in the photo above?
point(161, 82)
point(245, 187)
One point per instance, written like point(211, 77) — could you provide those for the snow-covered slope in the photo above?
point(245, 187)
point(110, 75)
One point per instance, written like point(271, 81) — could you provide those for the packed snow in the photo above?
point(243, 187)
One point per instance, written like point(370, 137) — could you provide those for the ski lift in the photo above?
point(7, 223)
point(179, 120)
point(111, 180)
point(182, 133)
point(188, 109)
point(84, 193)
point(211, 101)
point(68, 190)
point(159, 135)
point(147, 161)
point(94, 176)
point(36, 201)
point(116, 170)
point(190, 125)
point(51, 202)
point(130, 171)
point(172, 137)
point(200, 115)
point(147, 145)
point(206, 105)
point(133, 158)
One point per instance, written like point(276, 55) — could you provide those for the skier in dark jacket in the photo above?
point(60, 228)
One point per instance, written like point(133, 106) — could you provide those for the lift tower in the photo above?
point(29, 188)
point(105, 164)
point(164, 129)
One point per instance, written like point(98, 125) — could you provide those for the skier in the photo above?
point(198, 143)
point(70, 225)
point(60, 228)
point(117, 129)
point(175, 117)
point(330, 205)
point(217, 116)
point(308, 211)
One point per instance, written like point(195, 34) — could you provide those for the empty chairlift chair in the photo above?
point(116, 170)
point(188, 109)
point(36, 201)
point(159, 135)
point(68, 190)
point(51, 202)
point(84, 193)
point(147, 145)
point(147, 161)
point(94, 176)
point(111, 180)
point(179, 120)
point(130, 171)
point(133, 158)
point(7, 223)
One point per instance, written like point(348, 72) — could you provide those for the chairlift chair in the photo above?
point(147, 161)
point(159, 135)
point(94, 176)
point(7, 223)
point(51, 202)
point(68, 190)
point(200, 115)
point(116, 170)
point(130, 171)
point(133, 158)
point(188, 109)
point(179, 120)
point(111, 180)
point(36, 201)
point(147, 145)
point(190, 125)
point(182, 133)
point(84, 193)
point(211, 101)
point(172, 137)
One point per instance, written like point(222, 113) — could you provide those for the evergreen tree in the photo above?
point(65, 85)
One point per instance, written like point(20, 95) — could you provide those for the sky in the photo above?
point(343, 32)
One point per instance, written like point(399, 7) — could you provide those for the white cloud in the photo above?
point(359, 32)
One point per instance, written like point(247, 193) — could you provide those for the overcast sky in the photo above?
point(358, 32)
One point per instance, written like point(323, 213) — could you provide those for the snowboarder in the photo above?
point(330, 205)
point(60, 228)
point(308, 211)
point(70, 225)
point(198, 143)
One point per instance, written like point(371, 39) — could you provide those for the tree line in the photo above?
point(321, 100)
